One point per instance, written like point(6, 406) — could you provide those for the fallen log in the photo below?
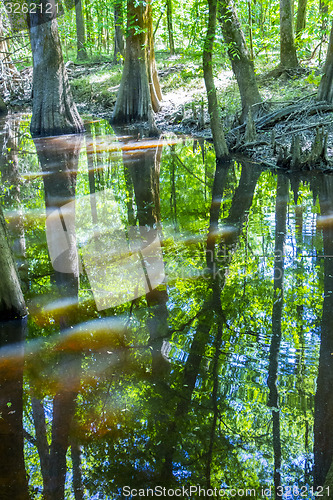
point(274, 117)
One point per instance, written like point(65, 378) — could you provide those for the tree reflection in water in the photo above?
point(180, 299)
point(282, 194)
point(323, 436)
point(58, 158)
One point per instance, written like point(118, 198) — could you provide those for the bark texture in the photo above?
point(10, 174)
point(323, 11)
point(3, 107)
point(325, 91)
point(53, 108)
point(241, 62)
point(139, 85)
point(77, 470)
point(220, 145)
point(288, 56)
point(12, 303)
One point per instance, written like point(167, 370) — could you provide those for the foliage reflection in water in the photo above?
point(180, 326)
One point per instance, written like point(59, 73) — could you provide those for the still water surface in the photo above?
point(180, 319)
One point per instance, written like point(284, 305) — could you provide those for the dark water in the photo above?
point(180, 323)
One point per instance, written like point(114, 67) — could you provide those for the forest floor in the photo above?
point(294, 131)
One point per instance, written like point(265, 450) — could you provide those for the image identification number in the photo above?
point(303, 491)
point(31, 8)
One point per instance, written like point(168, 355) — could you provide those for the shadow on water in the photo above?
point(179, 328)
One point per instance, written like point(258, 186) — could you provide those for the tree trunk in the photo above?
point(13, 477)
point(323, 414)
point(144, 169)
point(119, 44)
point(301, 17)
point(281, 207)
point(38, 415)
point(63, 410)
point(80, 32)
point(249, 11)
point(241, 63)
point(53, 108)
point(288, 56)
point(3, 107)
point(323, 10)
point(12, 303)
point(59, 157)
point(77, 470)
point(139, 87)
point(170, 27)
point(325, 91)
point(191, 372)
point(220, 145)
point(154, 84)
point(10, 175)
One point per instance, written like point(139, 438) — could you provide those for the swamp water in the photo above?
point(180, 321)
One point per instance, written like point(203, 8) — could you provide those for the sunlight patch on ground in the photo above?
point(181, 96)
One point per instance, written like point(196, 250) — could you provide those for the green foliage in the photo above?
point(313, 78)
point(99, 88)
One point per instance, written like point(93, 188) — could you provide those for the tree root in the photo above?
point(296, 159)
point(292, 156)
